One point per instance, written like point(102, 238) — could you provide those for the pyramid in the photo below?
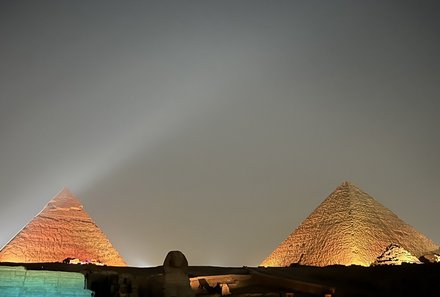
point(348, 227)
point(63, 229)
point(395, 255)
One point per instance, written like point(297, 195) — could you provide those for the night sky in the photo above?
point(216, 127)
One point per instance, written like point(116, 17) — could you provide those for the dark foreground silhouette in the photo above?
point(403, 280)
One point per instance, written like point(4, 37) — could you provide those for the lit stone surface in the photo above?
point(63, 229)
point(17, 282)
point(348, 227)
point(396, 255)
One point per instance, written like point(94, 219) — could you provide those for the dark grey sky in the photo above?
point(217, 127)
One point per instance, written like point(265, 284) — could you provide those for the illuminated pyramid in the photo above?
point(395, 255)
point(348, 227)
point(62, 230)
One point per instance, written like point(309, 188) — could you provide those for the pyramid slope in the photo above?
point(63, 229)
point(348, 227)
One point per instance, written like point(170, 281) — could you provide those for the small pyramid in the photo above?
point(395, 255)
point(433, 257)
point(63, 229)
point(348, 228)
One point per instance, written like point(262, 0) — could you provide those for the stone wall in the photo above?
point(19, 282)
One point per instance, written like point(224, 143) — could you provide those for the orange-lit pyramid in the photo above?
point(348, 227)
point(63, 229)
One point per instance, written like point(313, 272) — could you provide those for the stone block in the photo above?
point(10, 291)
point(18, 282)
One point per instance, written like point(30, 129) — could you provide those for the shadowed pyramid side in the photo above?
point(348, 227)
point(63, 229)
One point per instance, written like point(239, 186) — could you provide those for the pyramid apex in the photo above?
point(66, 191)
point(348, 183)
point(348, 186)
point(65, 199)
